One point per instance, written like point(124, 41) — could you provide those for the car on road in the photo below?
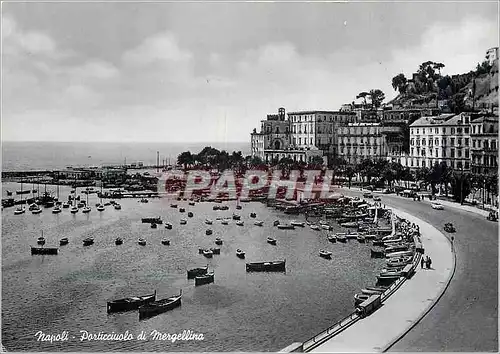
point(377, 198)
point(387, 191)
point(367, 195)
point(437, 206)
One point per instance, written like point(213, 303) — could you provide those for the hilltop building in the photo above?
point(491, 55)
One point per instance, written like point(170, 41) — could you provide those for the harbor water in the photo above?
point(240, 311)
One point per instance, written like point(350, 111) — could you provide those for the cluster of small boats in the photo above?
point(147, 305)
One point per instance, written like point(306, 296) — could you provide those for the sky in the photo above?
point(209, 72)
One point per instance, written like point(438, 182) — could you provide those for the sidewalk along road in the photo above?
point(405, 306)
point(466, 316)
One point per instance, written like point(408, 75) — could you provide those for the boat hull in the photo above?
point(276, 266)
point(158, 307)
point(44, 250)
point(129, 304)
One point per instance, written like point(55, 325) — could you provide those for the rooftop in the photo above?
point(435, 120)
point(321, 112)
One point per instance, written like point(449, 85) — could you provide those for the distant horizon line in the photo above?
point(126, 142)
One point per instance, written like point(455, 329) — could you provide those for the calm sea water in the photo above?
point(239, 312)
point(25, 156)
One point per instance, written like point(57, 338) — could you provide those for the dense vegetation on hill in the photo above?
point(457, 93)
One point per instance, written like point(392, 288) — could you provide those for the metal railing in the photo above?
point(330, 331)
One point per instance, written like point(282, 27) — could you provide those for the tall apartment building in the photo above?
point(484, 149)
point(358, 141)
point(440, 138)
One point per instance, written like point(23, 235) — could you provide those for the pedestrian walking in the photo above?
point(422, 261)
point(430, 263)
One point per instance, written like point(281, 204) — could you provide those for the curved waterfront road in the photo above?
point(466, 316)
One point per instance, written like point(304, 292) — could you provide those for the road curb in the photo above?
point(434, 302)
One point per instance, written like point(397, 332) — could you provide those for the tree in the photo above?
point(185, 159)
point(460, 186)
point(363, 95)
point(377, 97)
point(317, 160)
point(349, 172)
point(400, 83)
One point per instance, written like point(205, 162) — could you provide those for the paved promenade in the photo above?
point(466, 317)
point(375, 332)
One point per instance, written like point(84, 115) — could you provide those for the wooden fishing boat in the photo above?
point(208, 232)
point(274, 266)
point(152, 220)
point(190, 214)
point(182, 210)
point(326, 227)
point(168, 226)
point(349, 224)
point(276, 222)
point(117, 206)
point(240, 254)
point(118, 241)
point(173, 205)
point(359, 298)
point(63, 241)
point(157, 307)
point(215, 250)
point(204, 279)
point(377, 253)
point(332, 239)
point(165, 242)
point(88, 241)
point(224, 222)
point(216, 207)
point(218, 241)
point(361, 238)
point(297, 223)
point(142, 242)
point(191, 203)
point(378, 243)
point(371, 292)
point(286, 227)
point(253, 215)
point(236, 217)
point(208, 222)
point(154, 226)
point(325, 254)
point(41, 240)
point(192, 273)
point(183, 221)
point(315, 227)
point(44, 250)
point(130, 303)
point(271, 240)
point(258, 223)
point(240, 223)
point(341, 238)
point(208, 253)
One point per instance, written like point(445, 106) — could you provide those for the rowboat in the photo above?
point(341, 237)
point(41, 240)
point(204, 279)
point(218, 241)
point(236, 217)
point(271, 240)
point(349, 224)
point(215, 250)
point(154, 226)
point(326, 227)
point(225, 222)
point(63, 241)
point(377, 253)
point(152, 220)
point(208, 222)
point(258, 223)
point(165, 242)
point(183, 221)
point(142, 242)
point(168, 225)
point(192, 273)
point(332, 238)
point(325, 254)
point(240, 253)
point(253, 215)
point(274, 266)
point(190, 214)
point(276, 222)
point(118, 241)
point(208, 253)
point(361, 238)
point(315, 227)
point(359, 298)
point(297, 223)
point(239, 223)
point(44, 250)
point(88, 241)
point(286, 227)
point(130, 303)
point(208, 232)
point(182, 210)
point(154, 308)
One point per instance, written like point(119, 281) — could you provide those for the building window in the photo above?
point(444, 130)
point(452, 152)
point(411, 151)
point(493, 145)
point(436, 153)
point(411, 142)
point(444, 153)
point(459, 130)
point(452, 131)
point(411, 162)
point(459, 141)
point(423, 130)
point(466, 140)
point(459, 164)
point(466, 130)
point(466, 165)
point(417, 132)
point(459, 152)
point(452, 141)
point(436, 141)
point(473, 143)
point(311, 141)
point(436, 130)
point(473, 129)
point(466, 153)
point(423, 163)
point(423, 142)
point(300, 141)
